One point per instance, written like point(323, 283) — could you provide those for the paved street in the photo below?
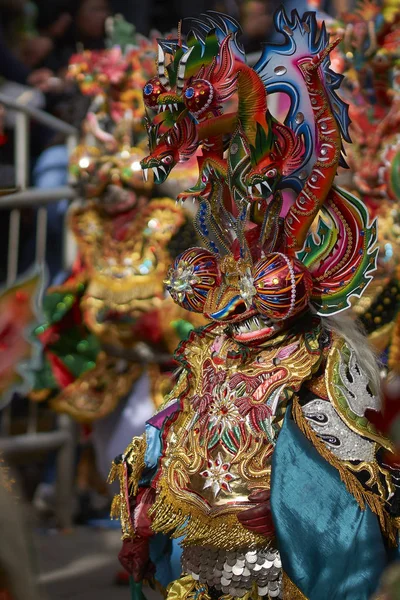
point(80, 565)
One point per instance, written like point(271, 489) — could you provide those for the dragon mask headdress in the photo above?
point(262, 183)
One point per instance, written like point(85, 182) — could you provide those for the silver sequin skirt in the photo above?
point(235, 572)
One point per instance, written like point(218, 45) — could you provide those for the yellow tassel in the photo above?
point(134, 456)
point(115, 510)
point(170, 514)
point(114, 473)
point(133, 462)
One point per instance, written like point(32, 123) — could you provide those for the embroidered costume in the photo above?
point(261, 461)
point(110, 330)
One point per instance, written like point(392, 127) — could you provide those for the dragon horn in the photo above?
point(181, 71)
point(161, 67)
point(320, 57)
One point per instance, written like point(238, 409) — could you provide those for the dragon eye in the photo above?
point(189, 93)
point(198, 96)
point(152, 91)
point(272, 173)
point(167, 160)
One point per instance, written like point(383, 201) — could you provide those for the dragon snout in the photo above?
point(160, 170)
point(258, 184)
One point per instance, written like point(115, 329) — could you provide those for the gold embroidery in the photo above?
point(374, 471)
point(290, 590)
point(223, 531)
point(124, 275)
point(317, 385)
point(179, 389)
point(128, 472)
point(215, 453)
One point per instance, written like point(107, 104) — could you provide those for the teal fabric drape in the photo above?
point(330, 548)
point(166, 554)
point(136, 590)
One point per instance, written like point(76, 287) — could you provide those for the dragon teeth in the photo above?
point(155, 171)
point(267, 186)
point(145, 174)
point(254, 323)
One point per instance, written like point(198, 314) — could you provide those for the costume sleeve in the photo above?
point(137, 467)
point(338, 428)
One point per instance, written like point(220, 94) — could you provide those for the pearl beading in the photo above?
point(292, 283)
point(207, 104)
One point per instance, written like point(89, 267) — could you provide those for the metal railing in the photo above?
point(62, 438)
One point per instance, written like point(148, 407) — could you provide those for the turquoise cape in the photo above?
point(330, 548)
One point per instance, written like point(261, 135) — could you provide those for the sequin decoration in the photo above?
point(246, 287)
point(198, 96)
point(235, 572)
point(340, 439)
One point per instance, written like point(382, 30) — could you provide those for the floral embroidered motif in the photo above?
point(218, 476)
